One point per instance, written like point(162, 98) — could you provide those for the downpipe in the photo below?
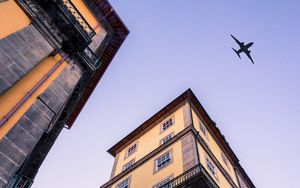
point(29, 93)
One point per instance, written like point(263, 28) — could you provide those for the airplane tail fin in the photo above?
point(237, 53)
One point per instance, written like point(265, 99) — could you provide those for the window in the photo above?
point(224, 159)
point(168, 123)
point(131, 149)
point(163, 161)
point(203, 129)
point(211, 167)
point(166, 139)
point(129, 164)
point(163, 184)
point(124, 184)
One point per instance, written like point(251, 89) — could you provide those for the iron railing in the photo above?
point(189, 175)
point(70, 7)
point(20, 181)
point(90, 58)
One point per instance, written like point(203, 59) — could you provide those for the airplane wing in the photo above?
point(236, 40)
point(249, 56)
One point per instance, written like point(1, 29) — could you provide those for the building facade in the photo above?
point(52, 55)
point(180, 146)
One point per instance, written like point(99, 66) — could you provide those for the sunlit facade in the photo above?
point(52, 56)
point(180, 146)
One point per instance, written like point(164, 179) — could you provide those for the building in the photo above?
point(52, 55)
point(179, 146)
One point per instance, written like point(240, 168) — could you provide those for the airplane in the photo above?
point(243, 48)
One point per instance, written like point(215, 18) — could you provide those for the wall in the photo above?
point(20, 140)
point(19, 53)
point(146, 170)
point(189, 151)
point(220, 179)
point(22, 137)
point(10, 98)
point(151, 140)
point(213, 146)
point(17, 18)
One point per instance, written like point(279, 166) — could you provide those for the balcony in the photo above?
point(67, 5)
point(20, 181)
point(89, 58)
point(74, 29)
point(62, 23)
point(193, 178)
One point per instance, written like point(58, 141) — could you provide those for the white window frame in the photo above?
point(130, 150)
point(164, 126)
point(163, 182)
point(129, 164)
point(203, 129)
point(167, 138)
point(224, 158)
point(125, 180)
point(165, 164)
point(211, 166)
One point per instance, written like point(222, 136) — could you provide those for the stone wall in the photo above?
point(188, 145)
point(19, 53)
point(21, 139)
point(59, 91)
point(97, 40)
point(189, 151)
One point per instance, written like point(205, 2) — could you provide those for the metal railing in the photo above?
point(69, 6)
point(90, 58)
point(189, 175)
point(20, 181)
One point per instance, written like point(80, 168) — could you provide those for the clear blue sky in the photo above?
point(175, 45)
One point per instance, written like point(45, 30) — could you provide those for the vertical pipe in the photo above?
point(29, 93)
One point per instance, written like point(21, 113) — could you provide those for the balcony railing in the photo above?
point(69, 6)
point(20, 181)
point(89, 58)
point(190, 175)
point(61, 19)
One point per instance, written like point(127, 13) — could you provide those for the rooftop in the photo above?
point(188, 95)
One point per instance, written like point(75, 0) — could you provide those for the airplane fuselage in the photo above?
point(246, 47)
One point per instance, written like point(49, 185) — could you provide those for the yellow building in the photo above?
point(52, 55)
point(180, 146)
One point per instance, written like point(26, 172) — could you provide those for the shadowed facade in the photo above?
point(52, 56)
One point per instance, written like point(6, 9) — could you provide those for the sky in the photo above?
point(175, 45)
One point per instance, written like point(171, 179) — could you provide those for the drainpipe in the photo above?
point(29, 93)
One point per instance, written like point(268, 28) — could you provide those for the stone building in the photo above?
point(52, 55)
point(179, 146)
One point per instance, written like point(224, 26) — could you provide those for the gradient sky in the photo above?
point(175, 45)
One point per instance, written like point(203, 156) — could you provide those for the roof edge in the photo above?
point(147, 124)
point(119, 35)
